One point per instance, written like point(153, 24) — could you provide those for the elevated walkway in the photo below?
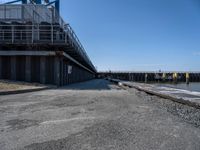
point(36, 26)
point(36, 45)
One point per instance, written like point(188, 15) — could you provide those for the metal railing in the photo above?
point(57, 31)
point(32, 34)
point(39, 34)
point(80, 46)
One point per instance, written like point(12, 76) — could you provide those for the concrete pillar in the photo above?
point(13, 67)
point(57, 71)
point(28, 69)
point(0, 67)
point(42, 69)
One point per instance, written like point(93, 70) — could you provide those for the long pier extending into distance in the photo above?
point(153, 76)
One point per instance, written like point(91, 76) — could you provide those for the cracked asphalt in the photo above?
point(96, 115)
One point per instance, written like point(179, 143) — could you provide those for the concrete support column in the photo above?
point(28, 69)
point(42, 70)
point(57, 71)
point(0, 67)
point(13, 67)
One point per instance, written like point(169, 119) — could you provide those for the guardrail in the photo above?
point(40, 33)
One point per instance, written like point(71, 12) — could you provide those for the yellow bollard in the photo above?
point(187, 78)
point(175, 77)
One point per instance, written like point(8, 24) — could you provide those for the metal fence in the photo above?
point(32, 34)
point(41, 34)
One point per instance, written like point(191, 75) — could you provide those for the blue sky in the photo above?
point(137, 35)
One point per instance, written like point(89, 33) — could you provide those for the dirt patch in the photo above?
point(7, 85)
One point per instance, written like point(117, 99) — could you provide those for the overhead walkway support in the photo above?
point(38, 46)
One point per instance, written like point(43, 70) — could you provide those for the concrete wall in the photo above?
point(42, 69)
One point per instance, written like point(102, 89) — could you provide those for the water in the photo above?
point(193, 86)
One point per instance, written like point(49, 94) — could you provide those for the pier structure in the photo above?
point(36, 45)
point(153, 76)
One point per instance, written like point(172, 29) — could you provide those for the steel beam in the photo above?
point(13, 2)
point(13, 67)
point(57, 71)
point(28, 69)
point(42, 53)
point(42, 69)
point(27, 53)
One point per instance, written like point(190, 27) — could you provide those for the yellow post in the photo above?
point(175, 77)
point(187, 78)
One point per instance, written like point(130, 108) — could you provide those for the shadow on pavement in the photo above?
point(96, 84)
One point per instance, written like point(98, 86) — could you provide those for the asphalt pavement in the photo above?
point(96, 115)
